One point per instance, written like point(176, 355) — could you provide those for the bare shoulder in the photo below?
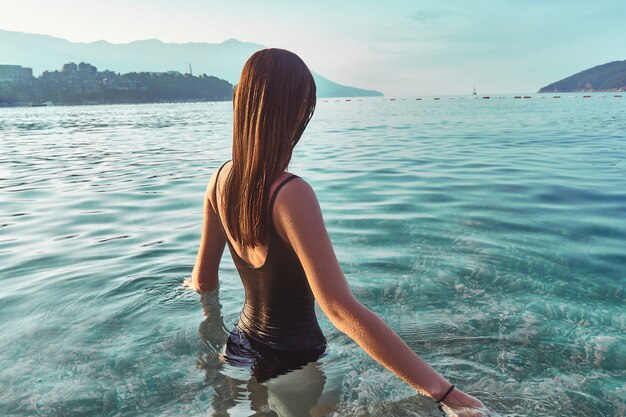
point(297, 215)
point(298, 185)
point(295, 197)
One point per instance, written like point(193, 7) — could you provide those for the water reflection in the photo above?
point(237, 392)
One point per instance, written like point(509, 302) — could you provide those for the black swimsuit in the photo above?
point(277, 329)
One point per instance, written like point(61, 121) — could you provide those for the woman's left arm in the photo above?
point(205, 272)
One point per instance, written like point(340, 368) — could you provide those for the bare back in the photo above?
point(279, 307)
point(254, 257)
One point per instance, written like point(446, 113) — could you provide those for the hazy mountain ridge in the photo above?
point(223, 60)
point(605, 77)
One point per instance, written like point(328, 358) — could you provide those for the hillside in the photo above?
point(606, 77)
point(223, 60)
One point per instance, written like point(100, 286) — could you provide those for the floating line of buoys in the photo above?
point(586, 96)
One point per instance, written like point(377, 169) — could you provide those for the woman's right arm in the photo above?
point(298, 216)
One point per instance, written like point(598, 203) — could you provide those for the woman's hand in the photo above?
point(194, 284)
point(460, 404)
point(466, 412)
point(188, 283)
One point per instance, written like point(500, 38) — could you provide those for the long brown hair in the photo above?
point(272, 105)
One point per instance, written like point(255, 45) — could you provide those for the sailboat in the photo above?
point(474, 93)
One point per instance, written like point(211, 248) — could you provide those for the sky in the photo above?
point(398, 47)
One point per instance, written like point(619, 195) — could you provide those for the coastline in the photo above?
point(48, 104)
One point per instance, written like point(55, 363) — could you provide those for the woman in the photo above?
point(273, 225)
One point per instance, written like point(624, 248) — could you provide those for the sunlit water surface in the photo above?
point(490, 234)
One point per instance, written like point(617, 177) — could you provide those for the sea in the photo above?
point(490, 234)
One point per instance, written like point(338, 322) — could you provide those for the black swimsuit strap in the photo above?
point(270, 209)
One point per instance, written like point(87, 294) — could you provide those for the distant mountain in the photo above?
point(607, 77)
point(223, 60)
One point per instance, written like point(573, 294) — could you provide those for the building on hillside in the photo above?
point(15, 74)
point(69, 67)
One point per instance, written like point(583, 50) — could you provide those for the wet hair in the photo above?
point(272, 105)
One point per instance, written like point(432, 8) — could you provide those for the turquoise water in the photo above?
point(489, 234)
